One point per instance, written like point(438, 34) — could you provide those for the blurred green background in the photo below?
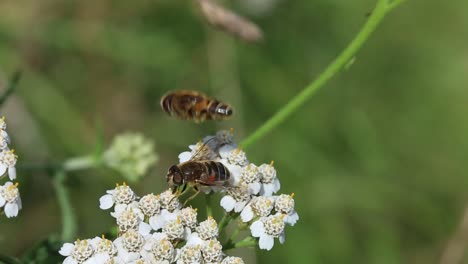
point(377, 158)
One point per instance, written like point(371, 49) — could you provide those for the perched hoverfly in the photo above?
point(192, 105)
point(196, 173)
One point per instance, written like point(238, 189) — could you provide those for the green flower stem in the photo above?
point(80, 163)
point(69, 224)
point(246, 242)
point(8, 260)
point(227, 217)
point(209, 210)
point(12, 84)
point(379, 12)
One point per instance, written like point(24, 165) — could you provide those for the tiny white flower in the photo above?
point(169, 201)
point(78, 252)
point(2, 123)
point(160, 220)
point(267, 229)
point(232, 260)
point(175, 230)
point(4, 140)
point(104, 246)
point(163, 249)
point(129, 246)
point(285, 204)
point(212, 251)
point(8, 162)
point(128, 219)
point(121, 194)
point(236, 198)
point(188, 217)
point(10, 198)
point(149, 204)
point(269, 180)
point(237, 157)
point(208, 229)
point(259, 206)
point(251, 176)
point(189, 255)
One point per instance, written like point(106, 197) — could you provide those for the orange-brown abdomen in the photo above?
point(192, 105)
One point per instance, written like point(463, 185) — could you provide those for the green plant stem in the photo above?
point(69, 224)
point(80, 163)
point(246, 242)
point(209, 210)
point(381, 8)
point(12, 84)
point(224, 221)
point(8, 260)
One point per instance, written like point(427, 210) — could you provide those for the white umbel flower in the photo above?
point(128, 219)
point(259, 206)
point(208, 229)
point(188, 217)
point(189, 255)
point(121, 194)
point(7, 163)
point(285, 204)
point(169, 201)
point(149, 205)
point(267, 229)
point(163, 250)
point(269, 180)
point(10, 198)
point(78, 252)
point(174, 229)
point(212, 251)
point(129, 246)
point(251, 176)
point(4, 140)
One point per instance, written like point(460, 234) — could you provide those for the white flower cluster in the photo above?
point(10, 201)
point(152, 229)
point(252, 190)
point(131, 154)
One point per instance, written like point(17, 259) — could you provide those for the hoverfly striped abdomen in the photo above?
point(192, 105)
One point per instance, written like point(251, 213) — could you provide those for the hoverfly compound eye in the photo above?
point(177, 178)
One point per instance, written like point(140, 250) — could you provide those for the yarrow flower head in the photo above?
point(158, 228)
point(10, 201)
point(131, 154)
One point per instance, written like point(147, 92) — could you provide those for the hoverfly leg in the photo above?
point(178, 191)
point(197, 191)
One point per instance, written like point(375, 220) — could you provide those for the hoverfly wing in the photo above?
point(205, 152)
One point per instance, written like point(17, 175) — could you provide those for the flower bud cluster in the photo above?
point(131, 154)
point(10, 200)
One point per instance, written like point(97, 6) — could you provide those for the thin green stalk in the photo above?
point(382, 7)
point(12, 84)
point(224, 221)
point(247, 242)
point(69, 224)
point(209, 210)
point(8, 260)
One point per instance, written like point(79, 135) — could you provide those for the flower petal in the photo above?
point(254, 187)
point(228, 203)
point(266, 242)
point(2, 201)
point(157, 222)
point(11, 210)
point(185, 156)
point(247, 214)
point(144, 229)
point(70, 260)
point(3, 168)
point(239, 206)
point(66, 249)
point(291, 218)
point(106, 202)
point(12, 173)
point(282, 238)
point(257, 229)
